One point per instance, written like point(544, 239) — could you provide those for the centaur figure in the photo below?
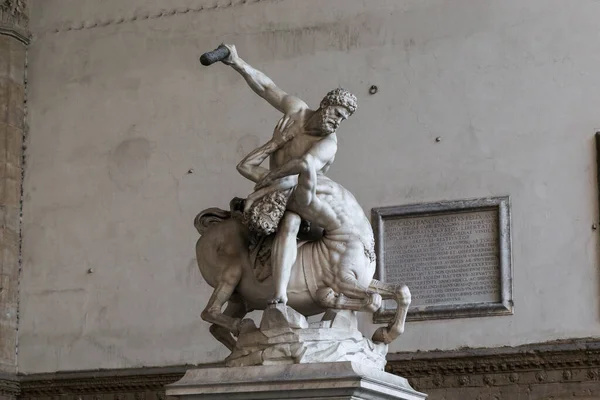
point(333, 272)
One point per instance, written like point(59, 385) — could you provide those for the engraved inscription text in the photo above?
point(444, 258)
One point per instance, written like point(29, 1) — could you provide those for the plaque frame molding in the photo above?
point(501, 205)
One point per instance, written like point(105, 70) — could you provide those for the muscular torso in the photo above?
point(335, 209)
point(300, 144)
point(348, 232)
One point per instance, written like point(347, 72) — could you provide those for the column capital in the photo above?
point(14, 19)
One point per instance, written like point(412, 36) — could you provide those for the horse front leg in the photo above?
point(401, 295)
point(228, 281)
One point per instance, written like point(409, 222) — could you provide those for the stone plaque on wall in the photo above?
point(454, 256)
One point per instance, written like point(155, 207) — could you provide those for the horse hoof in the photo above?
point(237, 325)
point(381, 336)
point(326, 297)
point(247, 325)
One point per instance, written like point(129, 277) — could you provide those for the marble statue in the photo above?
point(299, 245)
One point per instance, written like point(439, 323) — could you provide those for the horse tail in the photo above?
point(209, 217)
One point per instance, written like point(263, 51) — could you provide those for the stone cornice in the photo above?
point(134, 380)
point(14, 19)
point(552, 362)
point(9, 385)
point(90, 382)
point(136, 16)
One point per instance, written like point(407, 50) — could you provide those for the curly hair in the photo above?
point(265, 213)
point(340, 97)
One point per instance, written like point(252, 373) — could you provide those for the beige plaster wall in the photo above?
point(119, 114)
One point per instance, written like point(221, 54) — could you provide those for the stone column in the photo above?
point(13, 45)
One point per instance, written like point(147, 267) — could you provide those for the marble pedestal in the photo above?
point(338, 380)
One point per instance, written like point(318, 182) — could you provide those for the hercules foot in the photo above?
point(278, 300)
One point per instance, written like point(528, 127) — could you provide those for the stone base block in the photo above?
point(338, 380)
point(285, 337)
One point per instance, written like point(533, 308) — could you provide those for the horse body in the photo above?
point(225, 245)
point(334, 272)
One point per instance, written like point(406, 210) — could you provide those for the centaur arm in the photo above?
point(263, 86)
point(250, 167)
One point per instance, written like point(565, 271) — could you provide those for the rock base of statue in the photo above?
point(285, 337)
point(338, 380)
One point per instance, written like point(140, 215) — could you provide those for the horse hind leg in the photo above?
point(352, 296)
point(235, 309)
point(401, 295)
point(328, 298)
point(212, 313)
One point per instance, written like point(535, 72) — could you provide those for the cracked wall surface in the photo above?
point(120, 110)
